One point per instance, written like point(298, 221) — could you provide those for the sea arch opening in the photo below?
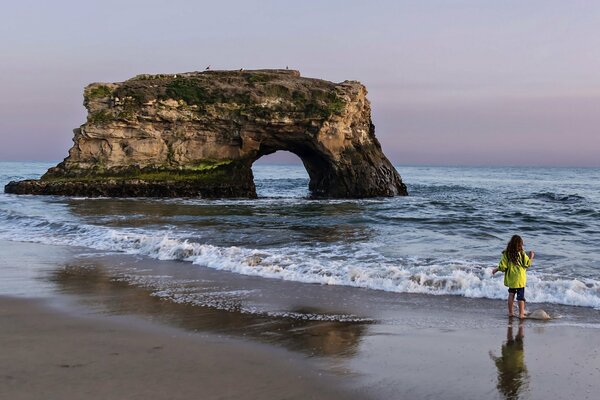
point(281, 174)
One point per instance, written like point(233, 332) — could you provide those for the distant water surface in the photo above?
point(442, 239)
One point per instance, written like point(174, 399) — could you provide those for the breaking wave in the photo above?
point(350, 264)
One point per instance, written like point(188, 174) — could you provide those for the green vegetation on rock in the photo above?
point(127, 110)
point(275, 90)
point(207, 171)
point(208, 165)
point(99, 91)
point(336, 105)
point(241, 95)
point(195, 92)
point(136, 94)
point(149, 77)
point(190, 91)
point(259, 78)
point(101, 117)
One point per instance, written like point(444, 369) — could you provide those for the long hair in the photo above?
point(514, 248)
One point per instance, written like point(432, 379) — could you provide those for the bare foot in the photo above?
point(510, 315)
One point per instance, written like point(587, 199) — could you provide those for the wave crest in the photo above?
point(355, 265)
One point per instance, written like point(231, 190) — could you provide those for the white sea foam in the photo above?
point(358, 265)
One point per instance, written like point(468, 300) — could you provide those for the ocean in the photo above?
point(442, 239)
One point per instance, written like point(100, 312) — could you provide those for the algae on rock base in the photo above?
point(208, 171)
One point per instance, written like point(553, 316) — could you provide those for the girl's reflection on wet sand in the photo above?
point(513, 378)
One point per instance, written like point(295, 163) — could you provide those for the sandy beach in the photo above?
point(53, 355)
point(91, 334)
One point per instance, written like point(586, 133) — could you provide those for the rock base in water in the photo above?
point(129, 188)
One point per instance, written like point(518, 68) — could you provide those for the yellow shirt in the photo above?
point(514, 274)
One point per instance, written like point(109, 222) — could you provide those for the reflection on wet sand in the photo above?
point(98, 290)
point(513, 378)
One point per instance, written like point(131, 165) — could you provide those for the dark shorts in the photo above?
point(520, 293)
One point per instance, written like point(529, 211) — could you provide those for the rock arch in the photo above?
point(198, 134)
point(334, 172)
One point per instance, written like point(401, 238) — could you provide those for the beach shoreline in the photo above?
point(235, 336)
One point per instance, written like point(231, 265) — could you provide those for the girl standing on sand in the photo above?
point(514, 263)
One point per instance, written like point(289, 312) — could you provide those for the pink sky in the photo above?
point(451, 82)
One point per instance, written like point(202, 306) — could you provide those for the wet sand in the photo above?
point(212, 345)
point(48, 354)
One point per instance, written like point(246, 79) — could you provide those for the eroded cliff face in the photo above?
point(197, 134)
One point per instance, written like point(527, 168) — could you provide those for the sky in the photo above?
point(471, 82)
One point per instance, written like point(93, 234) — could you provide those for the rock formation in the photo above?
point(539, 314)
point(198, 133)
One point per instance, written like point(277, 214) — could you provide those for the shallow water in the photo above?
point(443, 239)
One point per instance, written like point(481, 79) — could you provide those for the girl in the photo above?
point(513, 263)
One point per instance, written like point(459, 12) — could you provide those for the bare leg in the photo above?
point(511, 303)
point(521, 309)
